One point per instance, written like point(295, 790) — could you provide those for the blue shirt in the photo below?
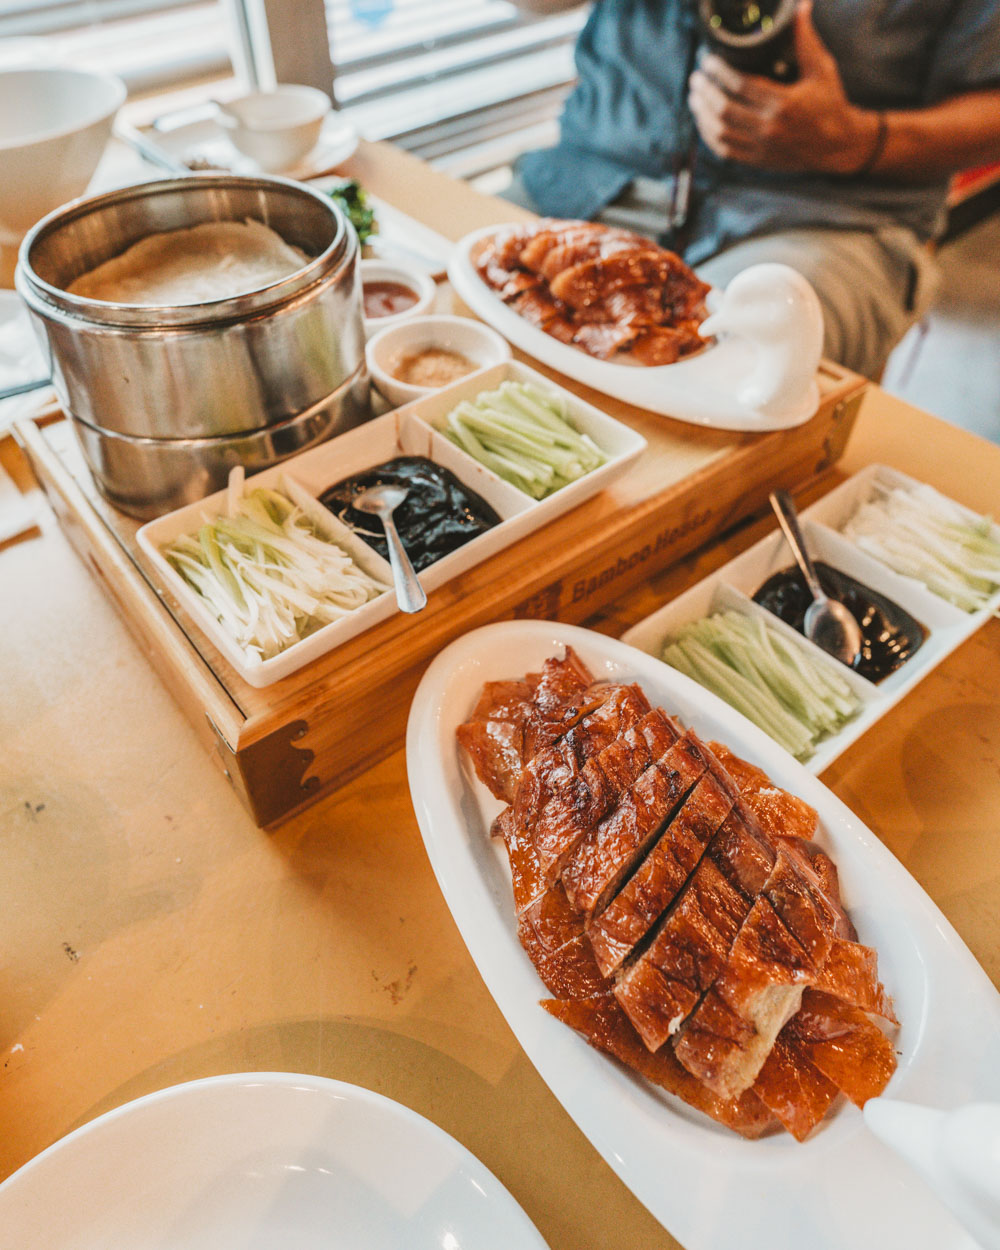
point(628, 116)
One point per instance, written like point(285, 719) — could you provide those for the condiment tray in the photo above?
point(732, 588)
point(408, 430)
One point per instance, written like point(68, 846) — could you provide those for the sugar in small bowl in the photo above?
point(414, 357)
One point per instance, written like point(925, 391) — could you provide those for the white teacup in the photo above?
point(278, 128)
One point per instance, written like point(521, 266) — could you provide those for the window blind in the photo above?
point(149, 43)
point(463, 83)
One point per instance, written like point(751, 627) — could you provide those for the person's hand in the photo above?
point(807, 125)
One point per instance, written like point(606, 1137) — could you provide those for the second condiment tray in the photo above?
point(733, 586)
point(409, 430)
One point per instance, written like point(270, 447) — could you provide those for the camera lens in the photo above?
point(744, 17)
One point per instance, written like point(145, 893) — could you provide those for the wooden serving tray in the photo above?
point(283, 746)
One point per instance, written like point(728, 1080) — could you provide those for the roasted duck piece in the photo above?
point(606, 291)
point(670, 899)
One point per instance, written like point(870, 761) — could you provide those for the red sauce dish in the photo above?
point(387, 299)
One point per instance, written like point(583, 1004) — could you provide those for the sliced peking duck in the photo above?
point(604, 290)
point(671, 900)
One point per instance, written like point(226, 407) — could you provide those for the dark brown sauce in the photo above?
point(385, 299)
point(438, 516)
point(890, 635)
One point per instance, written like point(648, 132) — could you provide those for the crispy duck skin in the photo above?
point(605, 290)
point(726, 1039)
point(604, 339)
point(536, 304)
point(664, 982)
point(665, 345)
point(512, 720)
point(781, 947)
point(794, 1090)
point(557, 246)
point(570, 810)
point(493, 736)
point(660, 988)
point(592, 281)
point(605, 856)
point(780, 814)
point(576, 248)
point(850, 974)
point(498, 744)
point(552, 788)
point(847, 1047)
point(554, 768)
point(601, 1021)
point(527, 878)
point(551, 933)
point(561, 682)
point(655, 884)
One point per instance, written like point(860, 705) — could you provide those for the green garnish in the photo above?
point(352, 199)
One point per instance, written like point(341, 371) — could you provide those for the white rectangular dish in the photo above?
point(733, 586)
point(711, 1189)
point(405, 431)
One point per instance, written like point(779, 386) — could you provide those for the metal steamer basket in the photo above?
point(166, 399)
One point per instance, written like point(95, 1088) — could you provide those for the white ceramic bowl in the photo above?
point(421, 284)
point(388, 346)
point(276, 128)
point(54, 124)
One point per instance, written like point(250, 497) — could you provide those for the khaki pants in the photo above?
point(872, 286)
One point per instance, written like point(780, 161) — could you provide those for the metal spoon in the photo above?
point(828, 623)
point(382, 501)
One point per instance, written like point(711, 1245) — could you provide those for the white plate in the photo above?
point(257, 1161)
point(733, 586)
point(702, 390)
point(408, 430)
point(205, 139)
point(710, 1188)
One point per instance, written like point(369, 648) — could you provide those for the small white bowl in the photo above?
point(386, 348)
point(421, 284)
point(276, 128)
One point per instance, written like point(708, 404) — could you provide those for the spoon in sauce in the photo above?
point(828, 623)
point(382, 501)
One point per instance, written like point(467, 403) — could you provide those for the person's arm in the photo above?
point(811, 126)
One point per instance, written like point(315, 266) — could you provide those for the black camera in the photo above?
point(754, 36)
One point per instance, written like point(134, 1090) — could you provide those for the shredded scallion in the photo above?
point(922, 534)
point(266, 573)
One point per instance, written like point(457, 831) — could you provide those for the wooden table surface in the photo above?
point(151, 934)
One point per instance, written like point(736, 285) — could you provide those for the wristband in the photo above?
point(872, 159)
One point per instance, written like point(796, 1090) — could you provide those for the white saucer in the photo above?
point(206, 140)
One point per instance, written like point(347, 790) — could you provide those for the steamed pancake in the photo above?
point(212, 261)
